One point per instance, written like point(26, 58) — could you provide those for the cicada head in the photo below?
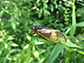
point(35, 27)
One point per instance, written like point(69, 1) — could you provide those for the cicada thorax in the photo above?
point(52, 35)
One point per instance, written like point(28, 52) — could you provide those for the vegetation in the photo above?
point(17, 17)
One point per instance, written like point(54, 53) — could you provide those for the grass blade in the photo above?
point(72, 32)
point(28, 54)
point(55, 52)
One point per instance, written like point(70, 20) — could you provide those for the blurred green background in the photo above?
point(17, 18)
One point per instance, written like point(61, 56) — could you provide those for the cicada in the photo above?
point(50, 34)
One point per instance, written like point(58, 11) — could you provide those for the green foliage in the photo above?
point(56, 51)
point(17, 18)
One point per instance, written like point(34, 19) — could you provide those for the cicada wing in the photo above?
point(57, 36)
point(53, 35)
point(45, 35)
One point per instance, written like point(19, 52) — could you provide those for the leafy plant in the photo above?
point(16, 21)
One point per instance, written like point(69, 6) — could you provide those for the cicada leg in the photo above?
point(37, 38)
point(33, 33)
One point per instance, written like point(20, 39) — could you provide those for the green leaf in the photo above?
point(80, 24)
point(70, 44)
point(13, 25)
point(28, 37)
point(39, 15)
point(52, 8)
point(67, 44)
point(55, 52)
point(72, 32)
point(14, 45)
point(10, 38)
point(81, 52)
point(36, 54)
point(46, 11)
point(28, 54)
point(76, 25)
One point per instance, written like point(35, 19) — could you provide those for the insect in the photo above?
point(49, 34)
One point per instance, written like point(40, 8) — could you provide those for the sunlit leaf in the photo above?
point(6, 46)
point(36, 54)
point(1, 39)
point(28, 37)
point(14, 45)
point(10, 38)
point(13, 25)
point(26, 46)
point(39, 43)
point(81, 52)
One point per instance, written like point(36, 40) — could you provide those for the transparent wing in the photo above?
point(53, 35)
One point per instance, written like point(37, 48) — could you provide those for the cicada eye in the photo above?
point(33, 28)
